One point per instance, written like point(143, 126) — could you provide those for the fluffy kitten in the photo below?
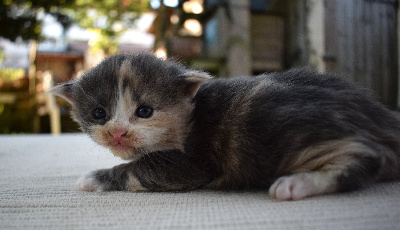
point(297, 133)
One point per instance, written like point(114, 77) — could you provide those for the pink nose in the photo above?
point(118, 133)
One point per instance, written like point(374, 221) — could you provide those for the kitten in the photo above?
point(297, 133)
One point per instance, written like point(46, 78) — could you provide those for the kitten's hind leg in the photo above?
point(330, 167)
point(301, 185)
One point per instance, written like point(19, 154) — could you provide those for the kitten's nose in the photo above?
point(118, 133)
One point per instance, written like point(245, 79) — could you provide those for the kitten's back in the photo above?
point(253, 125)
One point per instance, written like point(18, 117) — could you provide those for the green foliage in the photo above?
point(1, 55)
point(14, 120)
point(108, 18)
point(19, 18)
point(9, 74)
point(105, 43)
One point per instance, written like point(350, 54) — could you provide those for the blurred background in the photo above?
point(45, 42)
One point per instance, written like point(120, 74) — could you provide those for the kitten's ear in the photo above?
point(64, 90)
point(193, 81)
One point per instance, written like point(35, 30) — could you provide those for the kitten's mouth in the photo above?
point(119, 146)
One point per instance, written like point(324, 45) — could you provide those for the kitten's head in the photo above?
point(134, 104)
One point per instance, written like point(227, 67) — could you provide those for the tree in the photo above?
point(23, 18)
point(20, 18)
point(109, 18)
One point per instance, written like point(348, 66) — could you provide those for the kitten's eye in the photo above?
point(99, 113)
point(144, 112)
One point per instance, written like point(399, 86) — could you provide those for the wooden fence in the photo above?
point(361, 42)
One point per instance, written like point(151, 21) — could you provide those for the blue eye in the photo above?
point(144, 112)
point(99, 113)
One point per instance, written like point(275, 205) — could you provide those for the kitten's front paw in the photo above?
point(89, 183)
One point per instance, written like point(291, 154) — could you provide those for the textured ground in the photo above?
point(37, 191)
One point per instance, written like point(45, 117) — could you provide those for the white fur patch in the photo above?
point(88, 183)
point(133, 184)
point(301, 185)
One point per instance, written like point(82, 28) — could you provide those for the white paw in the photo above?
point(89, 183)
point(299, 186)
point(288, 188)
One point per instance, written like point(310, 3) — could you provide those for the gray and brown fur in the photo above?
point(297, 133)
